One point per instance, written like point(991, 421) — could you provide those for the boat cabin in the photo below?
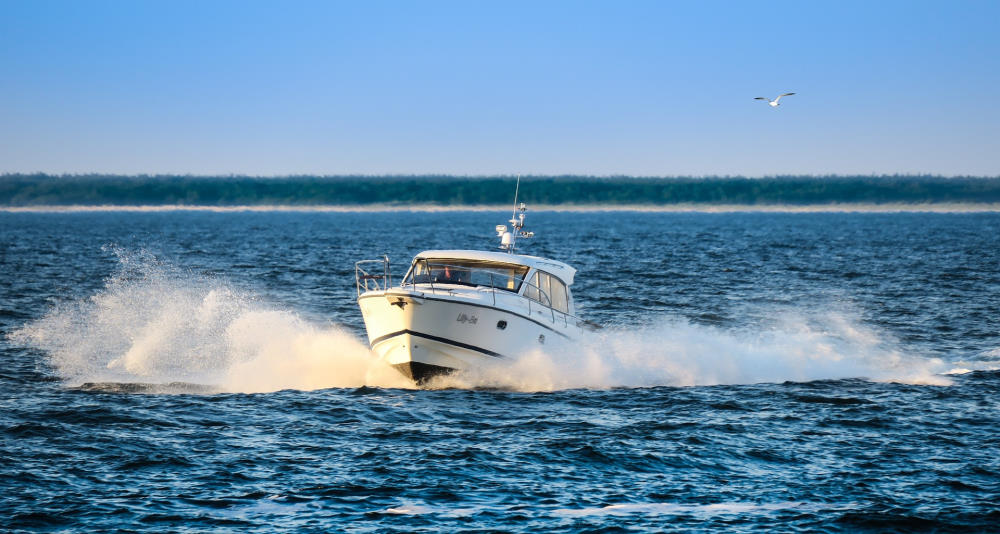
point(541, 280)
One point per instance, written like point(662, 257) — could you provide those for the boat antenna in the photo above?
point(508, 240)
point(517, 188)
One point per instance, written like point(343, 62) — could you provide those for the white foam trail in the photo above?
point(154, 324)
point(277, 350)
point(987, 361)
point(677, 353)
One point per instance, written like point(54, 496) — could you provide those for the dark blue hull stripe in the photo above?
point(438, 339)
point(501, 310)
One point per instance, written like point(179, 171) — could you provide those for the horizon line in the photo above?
point(834, 207)
point(7, 174)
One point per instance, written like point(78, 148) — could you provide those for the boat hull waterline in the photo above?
point(424, 335)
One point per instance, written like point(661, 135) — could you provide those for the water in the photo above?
point(175, 371)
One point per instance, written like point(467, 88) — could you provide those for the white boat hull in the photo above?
point(424, 334)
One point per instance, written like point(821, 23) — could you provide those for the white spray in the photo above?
point(155, 324)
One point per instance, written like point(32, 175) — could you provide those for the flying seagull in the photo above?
point(773, 103)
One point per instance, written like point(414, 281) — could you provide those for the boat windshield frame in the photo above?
point(466, 272)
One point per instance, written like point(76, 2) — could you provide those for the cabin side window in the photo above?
point(549, 290)
point(531, 290)
point(558, 293)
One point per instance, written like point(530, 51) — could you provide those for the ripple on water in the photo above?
point(737, 406)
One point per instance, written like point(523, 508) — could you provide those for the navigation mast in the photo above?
point(508, 239)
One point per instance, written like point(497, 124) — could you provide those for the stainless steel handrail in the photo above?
point(361, 275)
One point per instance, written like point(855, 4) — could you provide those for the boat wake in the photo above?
point(155, 328)
point(673, 352)
point(154, 325)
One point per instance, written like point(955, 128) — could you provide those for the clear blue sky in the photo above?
point(542, 87)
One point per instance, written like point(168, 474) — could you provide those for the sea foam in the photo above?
point(153, 323)
point(674, 352)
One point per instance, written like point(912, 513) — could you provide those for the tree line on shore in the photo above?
point(100, 189)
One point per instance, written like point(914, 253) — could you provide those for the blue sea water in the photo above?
point(201, 371)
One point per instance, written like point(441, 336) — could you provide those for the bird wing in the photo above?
point(761, 98)
point(785, 94)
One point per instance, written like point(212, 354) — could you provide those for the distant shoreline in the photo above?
point(319, 193)
point(856, 207)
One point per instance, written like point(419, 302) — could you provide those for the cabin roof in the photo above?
point(557, 268)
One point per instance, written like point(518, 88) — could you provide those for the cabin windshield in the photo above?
point(506, 276)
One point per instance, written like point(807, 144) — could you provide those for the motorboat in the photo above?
point(459, 309)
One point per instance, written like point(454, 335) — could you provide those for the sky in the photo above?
point(658, 88)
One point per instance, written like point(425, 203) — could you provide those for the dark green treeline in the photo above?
point(92, 189)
